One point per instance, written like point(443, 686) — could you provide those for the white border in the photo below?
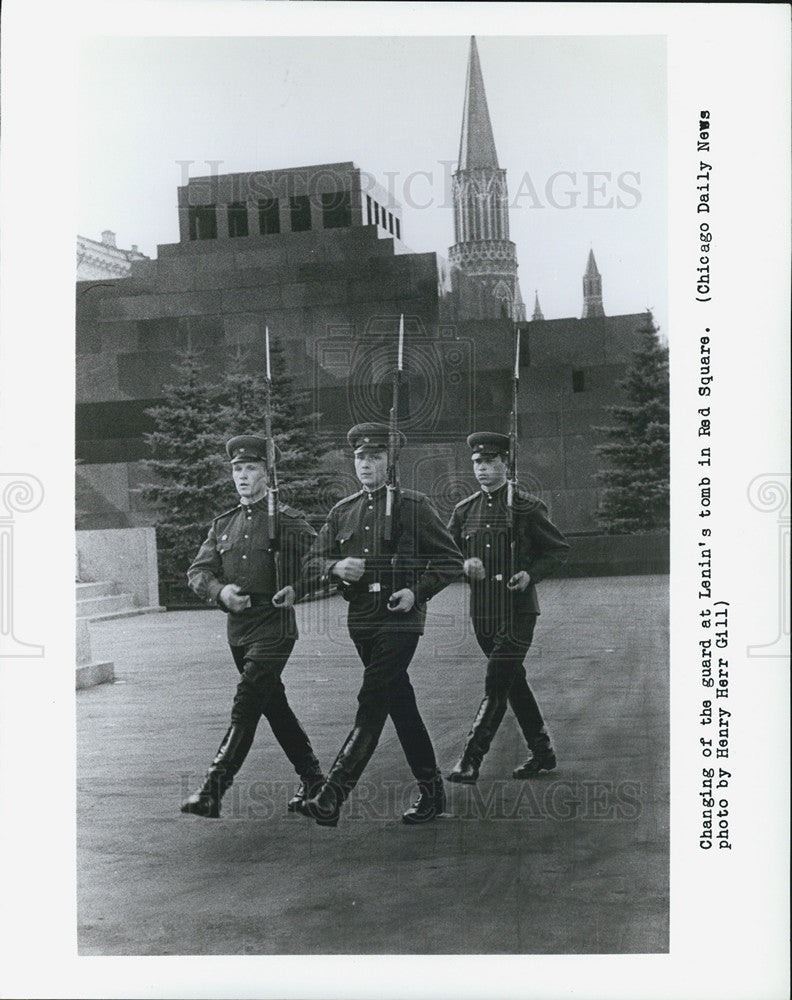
point(729, 928)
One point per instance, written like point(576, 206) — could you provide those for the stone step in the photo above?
point(102, 588)
point(104, 605)
point(127, 612)
point(90, 674)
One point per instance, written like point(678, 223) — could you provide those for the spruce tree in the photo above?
point(244, 393)
point(191, 484)
point(636, 495)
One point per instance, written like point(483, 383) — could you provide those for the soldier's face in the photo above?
point(490, 472)
point(371, 468)
point(250, 479)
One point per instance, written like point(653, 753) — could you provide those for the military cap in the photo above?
point(371, 437)
point(248, 448)
point(487, 444)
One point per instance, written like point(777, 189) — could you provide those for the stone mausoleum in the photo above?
point(319, 255)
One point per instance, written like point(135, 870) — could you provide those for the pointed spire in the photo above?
point(591, 266)
point(592, 290)
point(537, 313)
point(477, 143)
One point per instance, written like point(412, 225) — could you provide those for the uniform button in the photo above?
point(247, 536)
point(224, 537)
point(244, 557)
point(488, 546)
point(371, 508)
point(365, 550)
point(489, 526)
point(367, 528)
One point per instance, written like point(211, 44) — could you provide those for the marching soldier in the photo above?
point(387, 585)
point(236, 569)
point(503, 564)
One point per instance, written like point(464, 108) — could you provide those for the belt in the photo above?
point(256, 600)
point(360, 588)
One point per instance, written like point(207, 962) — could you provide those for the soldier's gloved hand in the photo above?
point(401, 600)
point(474, 569)
point(519, 581)
point(284, 598)
point(233, 600)
point(350, 569)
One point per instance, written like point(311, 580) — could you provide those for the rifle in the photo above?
point(273, 512)
point(392, 477)
point(511, 470)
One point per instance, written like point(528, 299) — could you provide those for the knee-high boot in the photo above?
point(295, 744)
point(325, 805)
point(431, 801)
point(220, 776)
point(488, 719)
point(530, 721)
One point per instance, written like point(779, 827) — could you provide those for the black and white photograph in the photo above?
point(396, 443)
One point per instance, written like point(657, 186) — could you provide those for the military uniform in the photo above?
point(504, 620)
point(420, 556)
point(261, 637)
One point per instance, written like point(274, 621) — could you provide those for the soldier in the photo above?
point(235, 569)
point(387, 585)
point(503, 602)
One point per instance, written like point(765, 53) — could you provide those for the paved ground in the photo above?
point(574, 862)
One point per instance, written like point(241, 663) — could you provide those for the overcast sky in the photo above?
point(560, 106)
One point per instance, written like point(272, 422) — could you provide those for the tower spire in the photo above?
point(476, 143)
point(592, 289)
point(482, 248)
point(537, 313)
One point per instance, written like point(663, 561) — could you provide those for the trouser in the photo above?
point(386, 690)
point(505, 681)
point(261, 692)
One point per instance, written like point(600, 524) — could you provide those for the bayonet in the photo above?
point(273, 511)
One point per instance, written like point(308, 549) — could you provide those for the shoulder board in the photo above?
point(347, 500)
point(292, 511)
point(413, 495)
point(226, 513)
point(467, 500)
point(529, 501)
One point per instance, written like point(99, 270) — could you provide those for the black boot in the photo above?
point(325, 805)
point(311, 781)
point(220, 776)
point(295, 744)
point(485, 725)
point(430, 803)
point(543, 759)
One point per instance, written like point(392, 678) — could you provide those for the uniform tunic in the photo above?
point(421, 556)
point(480, 527)
point(261, 637)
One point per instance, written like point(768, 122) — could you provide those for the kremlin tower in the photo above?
point(482, 248)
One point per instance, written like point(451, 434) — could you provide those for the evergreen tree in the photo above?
point(191, 476)
point(191, 481)
point(636, 495)
point(244, 394)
